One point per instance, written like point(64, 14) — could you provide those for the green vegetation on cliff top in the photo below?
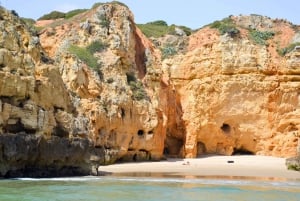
point(112, 2)
point(224, 26)
point(160, 28)
point(58, 15)
point(261, 37)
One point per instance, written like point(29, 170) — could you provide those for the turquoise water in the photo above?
point(110, 188)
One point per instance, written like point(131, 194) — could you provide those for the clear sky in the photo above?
point(191, 13)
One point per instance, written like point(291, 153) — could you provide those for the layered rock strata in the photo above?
point(103, 112)
point(93, 90)
point(234, 96)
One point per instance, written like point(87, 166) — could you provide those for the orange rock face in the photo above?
point(236, 96)
point(98, 79)
point(221, 94)
point(119, 97)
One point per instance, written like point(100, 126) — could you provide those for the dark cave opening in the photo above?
point(140, 132)
point(173, 147)
point(242, 151)
point(226, 128)
point(134, 158)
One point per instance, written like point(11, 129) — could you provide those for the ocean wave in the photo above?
point(195, 181)
point(87, 178)
point(221, 182)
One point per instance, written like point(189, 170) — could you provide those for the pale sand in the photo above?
point(242, 166)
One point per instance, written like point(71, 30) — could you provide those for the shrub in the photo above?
point(130, 77)
point(168, 51)
point(28, 21)
point(53, 15)
point(158, 22)
point(152, 30)
point(288, 49)
point(171, 30)
point(294, 167)
point(138, 91)
point(72, 13)
point(14, 13)
point(160, 28)
point(225, 26)
point(188, 31)
point(136, 86)
point(96, 46)
point(104, 21)
point(261, 37)
point(84, 55)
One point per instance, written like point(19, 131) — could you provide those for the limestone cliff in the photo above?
point(93, 90)
point(236, 94)
point(35, 109)
point(96, 95)
point(119, 94)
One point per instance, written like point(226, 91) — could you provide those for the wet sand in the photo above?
point(264, 167)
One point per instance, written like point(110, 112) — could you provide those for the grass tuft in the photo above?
point(160, 28)
point(84, 55)
point(225, 26)
point(288, 49)
point(261, 37)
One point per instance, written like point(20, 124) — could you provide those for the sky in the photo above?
point(190, 13)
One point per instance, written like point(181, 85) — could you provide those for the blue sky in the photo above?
point(191, 13)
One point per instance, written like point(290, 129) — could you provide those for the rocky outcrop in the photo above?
point(37, 119)
point(236, 96)
point(93, 90)
point(118, 96)
point(26, 155)
point(103, 111)
point(293, 163)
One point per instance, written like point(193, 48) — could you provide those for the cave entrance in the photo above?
point(201, 149)
point(134, 158)
point(242, 151)
point(226, 128)
point(173, 147)
point(140, 132)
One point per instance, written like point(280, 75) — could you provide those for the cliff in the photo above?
point(236, 92)
point(83, 93)
point(38, 120)
point(93, 90)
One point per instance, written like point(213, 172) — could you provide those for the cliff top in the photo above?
point(262, 30)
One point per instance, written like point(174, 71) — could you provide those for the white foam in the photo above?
point(196, 181)
point(222, 182)
point(87, 178)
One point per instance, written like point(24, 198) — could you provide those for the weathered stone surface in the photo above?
point(26, 155)
point(35, 107)
point(129, 102)
point(114, 105)
point(235, 96)
point(119, 97)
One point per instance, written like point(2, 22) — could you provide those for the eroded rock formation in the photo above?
point(93, 90)
point(119, 96)
point(110, 107)
point(237, 96)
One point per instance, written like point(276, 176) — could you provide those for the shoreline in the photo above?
point(229, 167)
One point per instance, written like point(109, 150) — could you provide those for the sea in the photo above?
point(139, 188)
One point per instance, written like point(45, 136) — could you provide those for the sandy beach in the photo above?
point(264, 167)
